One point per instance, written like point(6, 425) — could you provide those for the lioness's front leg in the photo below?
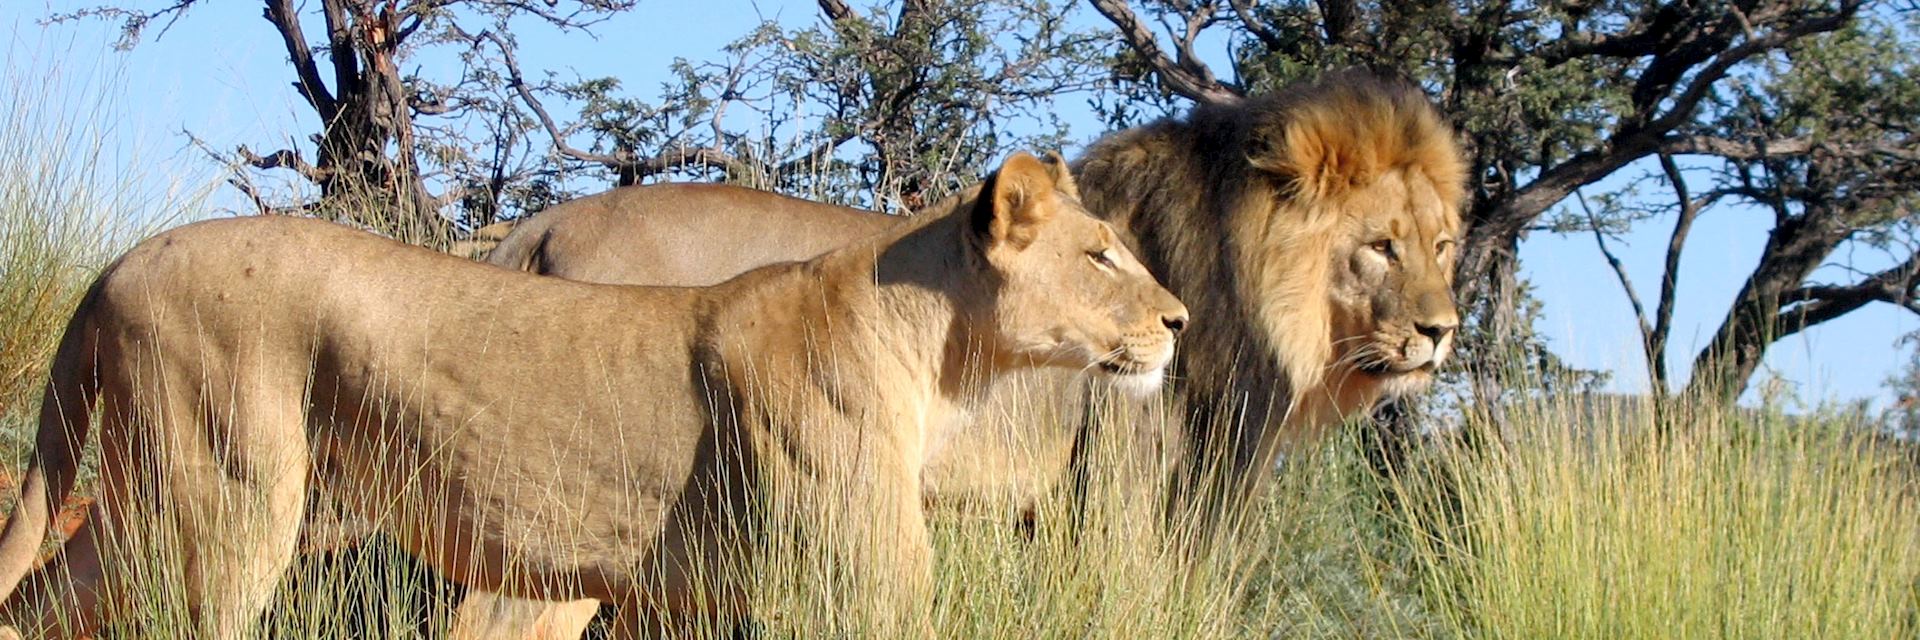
point(873, 530)
point(909, 591)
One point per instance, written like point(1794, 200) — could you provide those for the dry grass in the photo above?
point(1739, 525)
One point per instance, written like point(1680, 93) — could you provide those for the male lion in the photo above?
point(1314, 227)
point(617, 443)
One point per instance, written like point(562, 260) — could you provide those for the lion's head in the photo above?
point(1369, 178)
point(1318, 222)
point(1068, 292)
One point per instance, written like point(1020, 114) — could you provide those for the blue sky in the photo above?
point(221, 74)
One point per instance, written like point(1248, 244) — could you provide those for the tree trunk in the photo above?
point(1794, 249)
point(371, 115)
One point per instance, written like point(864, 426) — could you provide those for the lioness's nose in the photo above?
point(1436, 331)
point(1176, 321)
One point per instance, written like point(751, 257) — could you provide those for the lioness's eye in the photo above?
point(1443, 246)
point(1101, 258)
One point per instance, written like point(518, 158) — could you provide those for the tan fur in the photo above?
point(482, 241)
point(1262, 214)
point(640, 235)
point(1256, 213)
point(545, 438)
point(703, 234)
point(489, 616)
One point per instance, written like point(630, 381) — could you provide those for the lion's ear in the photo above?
point(1317, 150)
point(1015, 202)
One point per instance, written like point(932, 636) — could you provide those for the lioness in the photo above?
point(237, 361)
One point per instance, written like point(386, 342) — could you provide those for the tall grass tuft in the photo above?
point(1587, 521)
point(71, 198)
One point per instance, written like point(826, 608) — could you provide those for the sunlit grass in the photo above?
point(1588, 523)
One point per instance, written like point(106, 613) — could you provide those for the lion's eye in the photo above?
point(1101, 258)
point(1384, 247)
point(1443, 246)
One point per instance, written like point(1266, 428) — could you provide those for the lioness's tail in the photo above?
point(521, 248)
point(72, 385)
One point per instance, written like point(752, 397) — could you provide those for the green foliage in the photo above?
point(889, 107)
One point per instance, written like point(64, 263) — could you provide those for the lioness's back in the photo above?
point(235, 260)
point(287, 289)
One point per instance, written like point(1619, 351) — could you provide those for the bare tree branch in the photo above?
point(1775, 303)
point(819, 152)
point(836, 10)
point(1187, 77)
point(631, 167)
point(1626, 285)
point(1339, 19)
point(1682, 105)
point(1791, 146)
point(283, 159)
point(286, 20)
point(1813, 304)
point(520, 88)
point(346, 68)
point(1689, 209)
point(239, 177)
point(1259, 28)
point(1629, 43)
point(1510, 214)
point(133, 22)
point(676, 159)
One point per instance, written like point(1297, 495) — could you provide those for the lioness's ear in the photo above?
point(1014, 202)
point(1323, 150)
point(1062, 174)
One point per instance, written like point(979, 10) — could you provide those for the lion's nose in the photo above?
point(1435, 331)
point(1176, 322)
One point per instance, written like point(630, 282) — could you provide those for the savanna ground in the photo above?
point(1567, 519)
